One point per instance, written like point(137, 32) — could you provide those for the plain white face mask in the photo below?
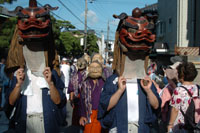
point(34, 58)
point(134, 68)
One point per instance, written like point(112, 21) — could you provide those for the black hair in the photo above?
point(187, 71)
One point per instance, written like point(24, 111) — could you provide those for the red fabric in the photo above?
point(94, 126)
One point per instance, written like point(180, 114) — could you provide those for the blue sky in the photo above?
point(99, 12)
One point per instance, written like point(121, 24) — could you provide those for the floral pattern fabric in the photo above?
point(181, 100)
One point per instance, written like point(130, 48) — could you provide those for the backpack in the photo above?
point(189, 115)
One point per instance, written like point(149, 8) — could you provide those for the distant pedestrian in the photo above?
point(73, 67)
point(4, 81)
point(65, 74)
point(65, 77)
point(75, 90)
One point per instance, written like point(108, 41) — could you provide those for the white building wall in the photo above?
point(102, 45)
point(183, 39)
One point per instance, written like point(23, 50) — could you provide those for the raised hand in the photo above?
point(47, 74)
point(20, 75)
point(122, 83)
point(14, 95)
point(146, 83)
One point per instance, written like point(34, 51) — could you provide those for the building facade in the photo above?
point(107, 53)
point(178, 23)
point(178, 26)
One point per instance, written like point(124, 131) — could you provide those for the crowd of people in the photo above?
point(95, 98)
point(41, 94)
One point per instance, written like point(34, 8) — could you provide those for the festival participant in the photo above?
point(75, 90)
point(65, 74)
point(36, 92)
point(107, 71)
point(87, 58)
point(90, 95)
point(73, 67)
point(129, 103)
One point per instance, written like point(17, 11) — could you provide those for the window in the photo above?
point(170, 25)
point(161, 28)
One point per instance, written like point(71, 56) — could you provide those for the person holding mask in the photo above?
point(35, 97)
point(75, 90)
point(90, 95)
point(129, 100)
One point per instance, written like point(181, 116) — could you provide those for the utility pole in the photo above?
point(102, 45)
point(108, 30)
point(85, 40)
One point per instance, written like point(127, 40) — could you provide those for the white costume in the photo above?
point(65, 75)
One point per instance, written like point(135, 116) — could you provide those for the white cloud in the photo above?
point(91, 17)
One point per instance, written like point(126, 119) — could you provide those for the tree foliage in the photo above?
point(64, 40)
point(65, 25)
point(6, 1)
point(72, 44)
point(67, 41)
point(92, 46)
point(7, 30)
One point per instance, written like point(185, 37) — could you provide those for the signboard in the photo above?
point(81, 41)
point(193, 51)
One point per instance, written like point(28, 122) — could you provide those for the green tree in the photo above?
point(6, 33)
point(6, 1)
point(7, 30)
point(65, 25)
point(56, 33)
point(92, 46)
point(58, 26)
point(67, 42)
point(72, 44)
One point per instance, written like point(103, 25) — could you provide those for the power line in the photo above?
point(71, 12)
point(103, 9)
point(57, 15)
point(74, 5)
point(99, 11)
point(120, 2)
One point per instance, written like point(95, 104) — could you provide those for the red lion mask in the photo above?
point(34, 22)
point(135, 31)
